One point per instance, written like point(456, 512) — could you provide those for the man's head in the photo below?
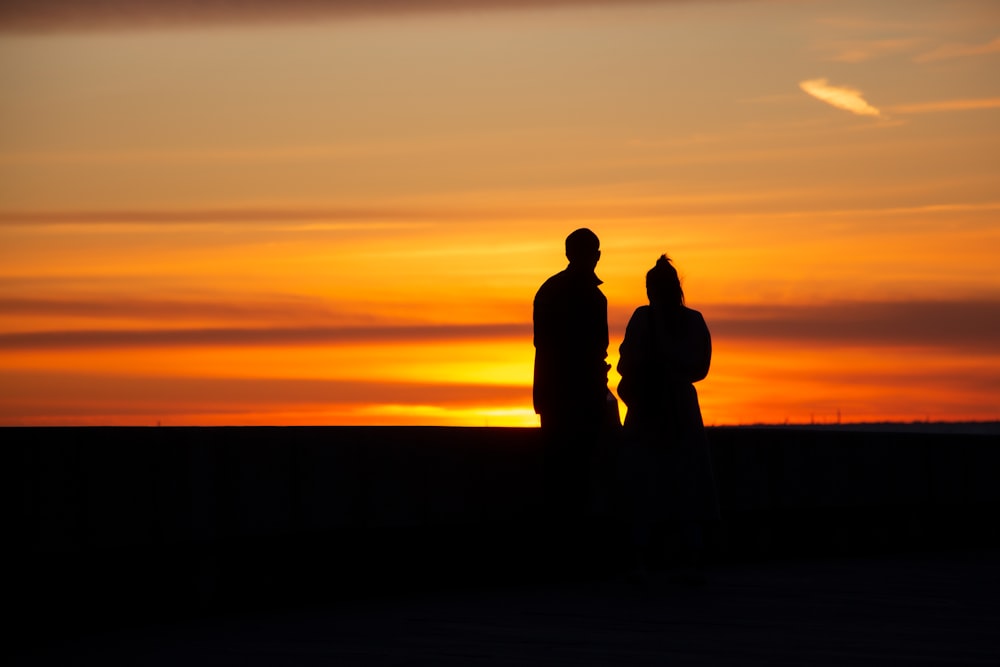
point(583, 248)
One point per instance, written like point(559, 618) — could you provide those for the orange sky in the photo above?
point(317, 213)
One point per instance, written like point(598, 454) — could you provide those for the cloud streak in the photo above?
point(139, 392)
point(963, 326)
point(970, 325)
point(61, 15)
point(245, 309)
point(947, 105)
point(863, 51)
point(255, 337)
point(841, 97)
point(951, 51)
point(347, 215)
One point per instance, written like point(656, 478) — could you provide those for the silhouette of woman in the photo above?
point(666, 460)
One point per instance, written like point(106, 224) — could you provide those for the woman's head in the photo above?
point(663, 285)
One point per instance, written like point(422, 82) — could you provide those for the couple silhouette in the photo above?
point(654, 470)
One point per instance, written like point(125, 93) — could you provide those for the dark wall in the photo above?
point(89, 488)
point(787, 491)
point(208, 513)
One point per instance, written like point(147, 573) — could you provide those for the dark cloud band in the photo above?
point(252, 337)
point(61, 15)
point(972, 325)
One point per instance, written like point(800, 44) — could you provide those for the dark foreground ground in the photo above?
point(927, 608)
point(403, 546)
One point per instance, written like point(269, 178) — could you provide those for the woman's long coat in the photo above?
point(667, 465)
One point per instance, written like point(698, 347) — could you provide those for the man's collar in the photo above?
point(583, 273)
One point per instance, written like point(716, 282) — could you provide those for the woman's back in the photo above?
point(666, 349)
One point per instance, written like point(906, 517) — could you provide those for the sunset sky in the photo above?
point(338, 212)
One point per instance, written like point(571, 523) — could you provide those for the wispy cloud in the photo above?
point(862, 51)
point(947, 105)
point(950, 51)
point(841, 97)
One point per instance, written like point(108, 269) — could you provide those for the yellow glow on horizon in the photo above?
point(517, 416)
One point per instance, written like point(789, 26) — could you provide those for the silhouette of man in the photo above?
point(571, 373)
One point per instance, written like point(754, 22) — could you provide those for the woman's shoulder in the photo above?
point(691, 313)
point(693, 317)
point(639, 314)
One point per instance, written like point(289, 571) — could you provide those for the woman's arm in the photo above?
point(700, 353)
point(632, 357)
point(688, 354)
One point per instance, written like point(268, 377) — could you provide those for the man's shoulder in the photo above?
point(555, 279)
point(555, 283)
point(571, 286)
